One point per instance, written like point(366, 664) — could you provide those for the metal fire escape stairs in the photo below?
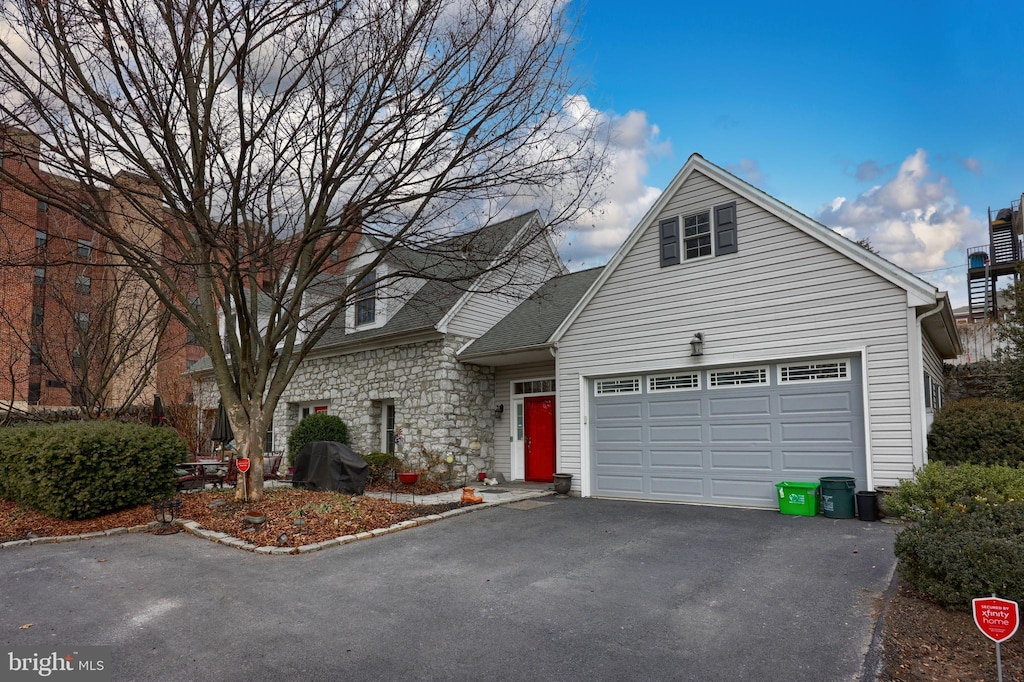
point(986, 264)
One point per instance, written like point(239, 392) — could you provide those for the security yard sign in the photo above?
point(998, 620)
point(242, 463)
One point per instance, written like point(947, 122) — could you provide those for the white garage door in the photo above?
point(726, 435)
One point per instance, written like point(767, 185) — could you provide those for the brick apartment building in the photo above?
point(76, 328)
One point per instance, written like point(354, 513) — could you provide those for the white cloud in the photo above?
point(868, 171)
point(624, 197)
point(971, 165)
point(914, 218)
point(748, 170)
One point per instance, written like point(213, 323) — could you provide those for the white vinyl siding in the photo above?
point(484, 308)
point(784, 294)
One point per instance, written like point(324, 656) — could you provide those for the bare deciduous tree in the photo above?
point(250, 143)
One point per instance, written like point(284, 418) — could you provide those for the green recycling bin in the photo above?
point(837, 496)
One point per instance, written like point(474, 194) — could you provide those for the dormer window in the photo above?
point(366, 300)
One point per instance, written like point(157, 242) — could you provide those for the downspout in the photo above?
point(919, 381)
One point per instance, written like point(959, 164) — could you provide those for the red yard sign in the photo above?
point(996, 618)
point(242, 463)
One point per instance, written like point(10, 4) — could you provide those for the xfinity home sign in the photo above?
point(996, 618)
point(81, 663)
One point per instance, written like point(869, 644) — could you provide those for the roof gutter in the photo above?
point(941, 305)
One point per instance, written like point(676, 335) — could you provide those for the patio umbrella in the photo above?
point(158, 417)
point(222, 432)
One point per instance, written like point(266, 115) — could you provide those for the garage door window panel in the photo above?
point(689, 381)
point(617, 386)
point(745, 376)
point(837, 370)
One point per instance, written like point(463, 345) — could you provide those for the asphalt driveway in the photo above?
point(573, 589)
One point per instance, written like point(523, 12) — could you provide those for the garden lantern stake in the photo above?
point(165, 511)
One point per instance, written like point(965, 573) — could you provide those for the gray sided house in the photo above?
point(729, 344)
point(818, 357)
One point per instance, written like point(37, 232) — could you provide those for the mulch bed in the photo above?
point(924, 642)
point(292, 517)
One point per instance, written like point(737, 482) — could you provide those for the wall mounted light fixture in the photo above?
point(498, 411)
point(697, 344)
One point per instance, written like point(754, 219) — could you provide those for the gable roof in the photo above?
point(463, 257)
point(919, 292)
point(460, 256)
point(531, 324)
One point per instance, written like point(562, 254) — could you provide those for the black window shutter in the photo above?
point(725, 229)
point(669, 241)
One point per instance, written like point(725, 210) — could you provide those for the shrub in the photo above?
point(956, 555)
point(978, 431)
point(938, 486)
point(313, 428)
point(80, 470)
point(380, 463)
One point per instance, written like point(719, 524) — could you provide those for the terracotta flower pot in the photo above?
point(408, 477)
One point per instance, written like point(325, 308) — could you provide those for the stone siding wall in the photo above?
point(440, 403)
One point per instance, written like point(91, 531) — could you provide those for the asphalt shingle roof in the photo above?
point(534, 320)
point(459, 259)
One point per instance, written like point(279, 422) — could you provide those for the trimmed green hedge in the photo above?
point(80, 470)
point(937, 486)
point(959, 554)
point(978, 431)
point(313, 428)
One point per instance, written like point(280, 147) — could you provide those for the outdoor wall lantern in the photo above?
point(498, 411)
point(697, 344)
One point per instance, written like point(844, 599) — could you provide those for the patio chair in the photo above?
point(271, 465)
point(190, 478)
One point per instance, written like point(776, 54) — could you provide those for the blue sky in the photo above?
point(897, 121)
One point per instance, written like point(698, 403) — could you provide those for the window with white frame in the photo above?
point(617, 386)
point(932, 393)
point(366, 300)
point(688, 381)
point(697, 235)
point(832, 370)
point(747, 376)
point(534, 386)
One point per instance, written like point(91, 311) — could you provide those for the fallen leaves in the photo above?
point(293, 517)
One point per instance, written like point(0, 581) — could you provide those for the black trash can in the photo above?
point(867, 505)
point(837, 496)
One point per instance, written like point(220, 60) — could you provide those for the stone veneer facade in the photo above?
point(441, 404)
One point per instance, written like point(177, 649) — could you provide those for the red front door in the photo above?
point(539, 431)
